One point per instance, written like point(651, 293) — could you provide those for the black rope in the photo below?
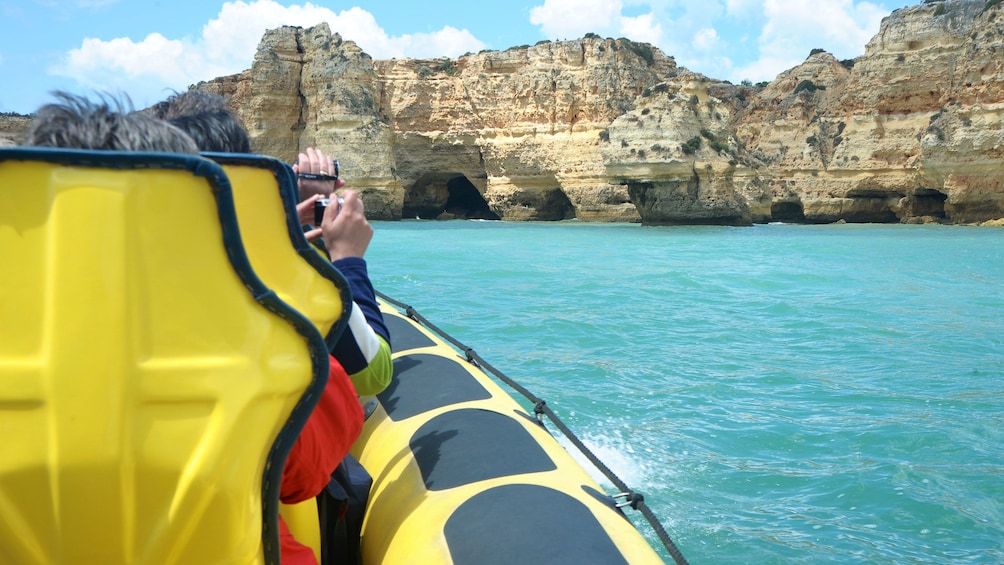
point(540, 408)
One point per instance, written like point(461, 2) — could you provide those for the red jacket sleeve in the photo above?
point(328, 434)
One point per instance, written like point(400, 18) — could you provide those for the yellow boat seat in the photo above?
point(265, 195)
point(151, 385)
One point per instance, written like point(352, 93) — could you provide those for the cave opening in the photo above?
point(445, 196)
point(929, 202)
point(466, 202)
point(556, 206)
point(787, 211)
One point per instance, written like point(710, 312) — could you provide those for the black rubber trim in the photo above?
point(468, 445)
point(289, 192)
point(223, 195)
point(605, 499)
point(527, 524)
point(406, 335)
point(423, 382)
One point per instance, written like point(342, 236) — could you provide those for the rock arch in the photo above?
point(531, 199)
point(449, 195)
point(928, 202)
point(790, 211)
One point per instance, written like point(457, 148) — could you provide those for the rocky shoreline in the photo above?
point(603, 129)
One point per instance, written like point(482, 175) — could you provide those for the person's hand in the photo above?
point(314, 161)
point(346, 231)
point(305, 211)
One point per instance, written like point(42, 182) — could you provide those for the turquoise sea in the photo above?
point(779, 393)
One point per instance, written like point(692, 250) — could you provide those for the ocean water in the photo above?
point(779, 393)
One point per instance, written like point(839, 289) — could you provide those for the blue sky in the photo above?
point(147, 48)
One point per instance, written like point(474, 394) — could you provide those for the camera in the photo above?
point(320, 204)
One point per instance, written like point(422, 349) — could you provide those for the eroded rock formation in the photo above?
point(611, 130)
point(12, 129)
point(911, 131)
point(515, 134)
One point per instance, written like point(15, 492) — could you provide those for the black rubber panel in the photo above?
point(423, 382)
point(527, 524)
point(464, 446)
point(405, 335)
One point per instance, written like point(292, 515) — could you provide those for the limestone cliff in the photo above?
point(611, 130)
point(12, 129)
point(515, 134)
point(910, 131)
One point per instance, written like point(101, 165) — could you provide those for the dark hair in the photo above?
point(207, 119)
point(111, 124)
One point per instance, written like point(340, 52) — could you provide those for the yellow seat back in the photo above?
point(150, 385)
point(265, 198)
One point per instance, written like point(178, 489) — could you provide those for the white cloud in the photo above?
point(794, 27)
point(448, 41)
point(765, 68)
point(642, 28)
point(741, 7)
point(565, 19)
point(117, 64)
point(149, 68)
point(722, 45)
point(707, 39)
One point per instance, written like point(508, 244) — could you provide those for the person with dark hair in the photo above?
point(207, 119)
point(363, 350)
point(78, 123)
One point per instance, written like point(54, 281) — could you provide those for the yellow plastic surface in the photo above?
point(262, 221)
point(304, 524)
point(404, 521)
point(141, 385)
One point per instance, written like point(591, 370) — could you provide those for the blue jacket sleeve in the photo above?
point(364, 347)
point(355, 273)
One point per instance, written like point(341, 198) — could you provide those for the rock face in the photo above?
point(12, 129)
point(516, 135)
point(611, 130)
point(911, 131)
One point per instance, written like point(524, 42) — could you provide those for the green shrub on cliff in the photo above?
point(691, 146)
point(643, 50)
point(808, 86)
point(447, 67)
point(713, 142)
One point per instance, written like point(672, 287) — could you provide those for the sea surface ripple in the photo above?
point(780, 394)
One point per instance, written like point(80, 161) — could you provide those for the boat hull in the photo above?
point(462, 473)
